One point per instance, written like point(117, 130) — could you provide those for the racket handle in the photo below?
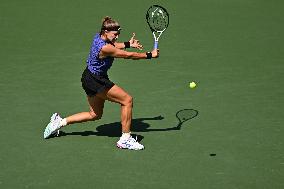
point(156, 45)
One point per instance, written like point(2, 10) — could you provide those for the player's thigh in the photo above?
point(116, 94)
point(96, 105)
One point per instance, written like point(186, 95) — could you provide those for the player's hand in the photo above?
point(134, 43)
point(155, 53)
point(159, 117)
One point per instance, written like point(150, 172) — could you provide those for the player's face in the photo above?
point(112, 35)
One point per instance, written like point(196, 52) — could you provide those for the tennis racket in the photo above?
point(158, 20)
point(185, 115)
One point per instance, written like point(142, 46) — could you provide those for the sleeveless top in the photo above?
point(96, 65)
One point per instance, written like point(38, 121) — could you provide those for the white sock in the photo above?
point(63, 122)
point(125, 136)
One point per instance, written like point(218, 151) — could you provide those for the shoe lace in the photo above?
point(133, 141)
point(54, 117)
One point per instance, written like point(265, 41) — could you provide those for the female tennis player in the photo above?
point(99, 88)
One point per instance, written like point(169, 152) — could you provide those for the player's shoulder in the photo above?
point(109, 48)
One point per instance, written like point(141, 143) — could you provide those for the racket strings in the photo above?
point(157, 18)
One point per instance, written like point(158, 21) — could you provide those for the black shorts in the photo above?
point(93, 84)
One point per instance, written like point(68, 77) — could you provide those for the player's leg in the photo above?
point(118, 95)
point(96, 106)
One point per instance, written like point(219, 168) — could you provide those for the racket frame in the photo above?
point(154, 32)
point(156, 37)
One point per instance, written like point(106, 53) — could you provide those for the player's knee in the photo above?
point(128, 101)
point(95, 116)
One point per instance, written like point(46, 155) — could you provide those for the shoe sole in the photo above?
point(120, 147)
point(56, 133)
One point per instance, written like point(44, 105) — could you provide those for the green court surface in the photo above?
point(232, 49)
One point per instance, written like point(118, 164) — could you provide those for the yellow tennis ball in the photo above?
point(192, 84)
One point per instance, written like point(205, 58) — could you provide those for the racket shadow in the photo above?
point(185, 115)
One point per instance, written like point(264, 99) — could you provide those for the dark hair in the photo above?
point(109, 24)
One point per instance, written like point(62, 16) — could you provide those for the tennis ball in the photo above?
point(192, 84)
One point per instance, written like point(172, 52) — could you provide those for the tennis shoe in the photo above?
point(53, 126)
point(129, 143)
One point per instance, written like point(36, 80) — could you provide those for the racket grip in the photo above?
point(156, 45)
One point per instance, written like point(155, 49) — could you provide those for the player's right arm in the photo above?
point(109, 50)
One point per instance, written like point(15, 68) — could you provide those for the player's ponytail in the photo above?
point(108, 24)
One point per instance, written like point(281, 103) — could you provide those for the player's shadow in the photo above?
point(138, 125)
point(114, 129)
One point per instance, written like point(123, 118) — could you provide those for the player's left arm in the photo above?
point(119, 45)
point(134, 43)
